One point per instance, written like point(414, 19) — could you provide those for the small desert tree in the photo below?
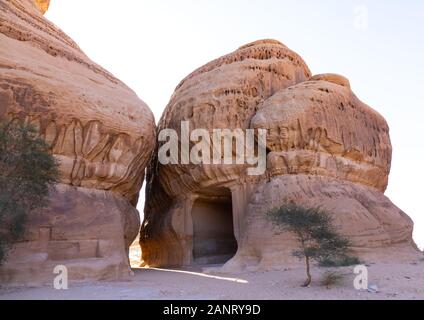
point(316, 236)
point(27, 171)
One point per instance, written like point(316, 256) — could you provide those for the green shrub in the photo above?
point(315, 233)
point(331, 279)
point(27, 172)
point(343, 261)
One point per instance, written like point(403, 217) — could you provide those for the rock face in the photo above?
point(102, 134)
point(320, 127)
point(42, 5)
point(324, 148)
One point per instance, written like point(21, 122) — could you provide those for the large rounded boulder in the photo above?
point(97, 128)
point(324, 148)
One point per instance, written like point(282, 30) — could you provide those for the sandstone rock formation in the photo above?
point(99, 130)
point(324, 148)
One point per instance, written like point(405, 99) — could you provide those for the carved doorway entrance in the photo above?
point(213, 229)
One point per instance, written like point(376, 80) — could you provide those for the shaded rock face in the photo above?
point(101, 133)
point(324, 148)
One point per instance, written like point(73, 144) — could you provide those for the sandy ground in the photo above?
point(394, 281)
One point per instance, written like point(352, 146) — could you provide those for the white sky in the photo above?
point(378, 45)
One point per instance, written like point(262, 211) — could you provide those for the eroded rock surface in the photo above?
point(102, 134)
point(320, 127)
point(324, 148)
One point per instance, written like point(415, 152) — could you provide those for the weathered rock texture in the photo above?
point(99, 130)
point(320, 127)
point(324, 148)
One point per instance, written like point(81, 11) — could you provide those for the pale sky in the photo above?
point(377, 44)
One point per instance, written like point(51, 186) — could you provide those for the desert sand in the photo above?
point(394, 281)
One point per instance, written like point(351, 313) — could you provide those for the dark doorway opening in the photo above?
point(213, 230)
